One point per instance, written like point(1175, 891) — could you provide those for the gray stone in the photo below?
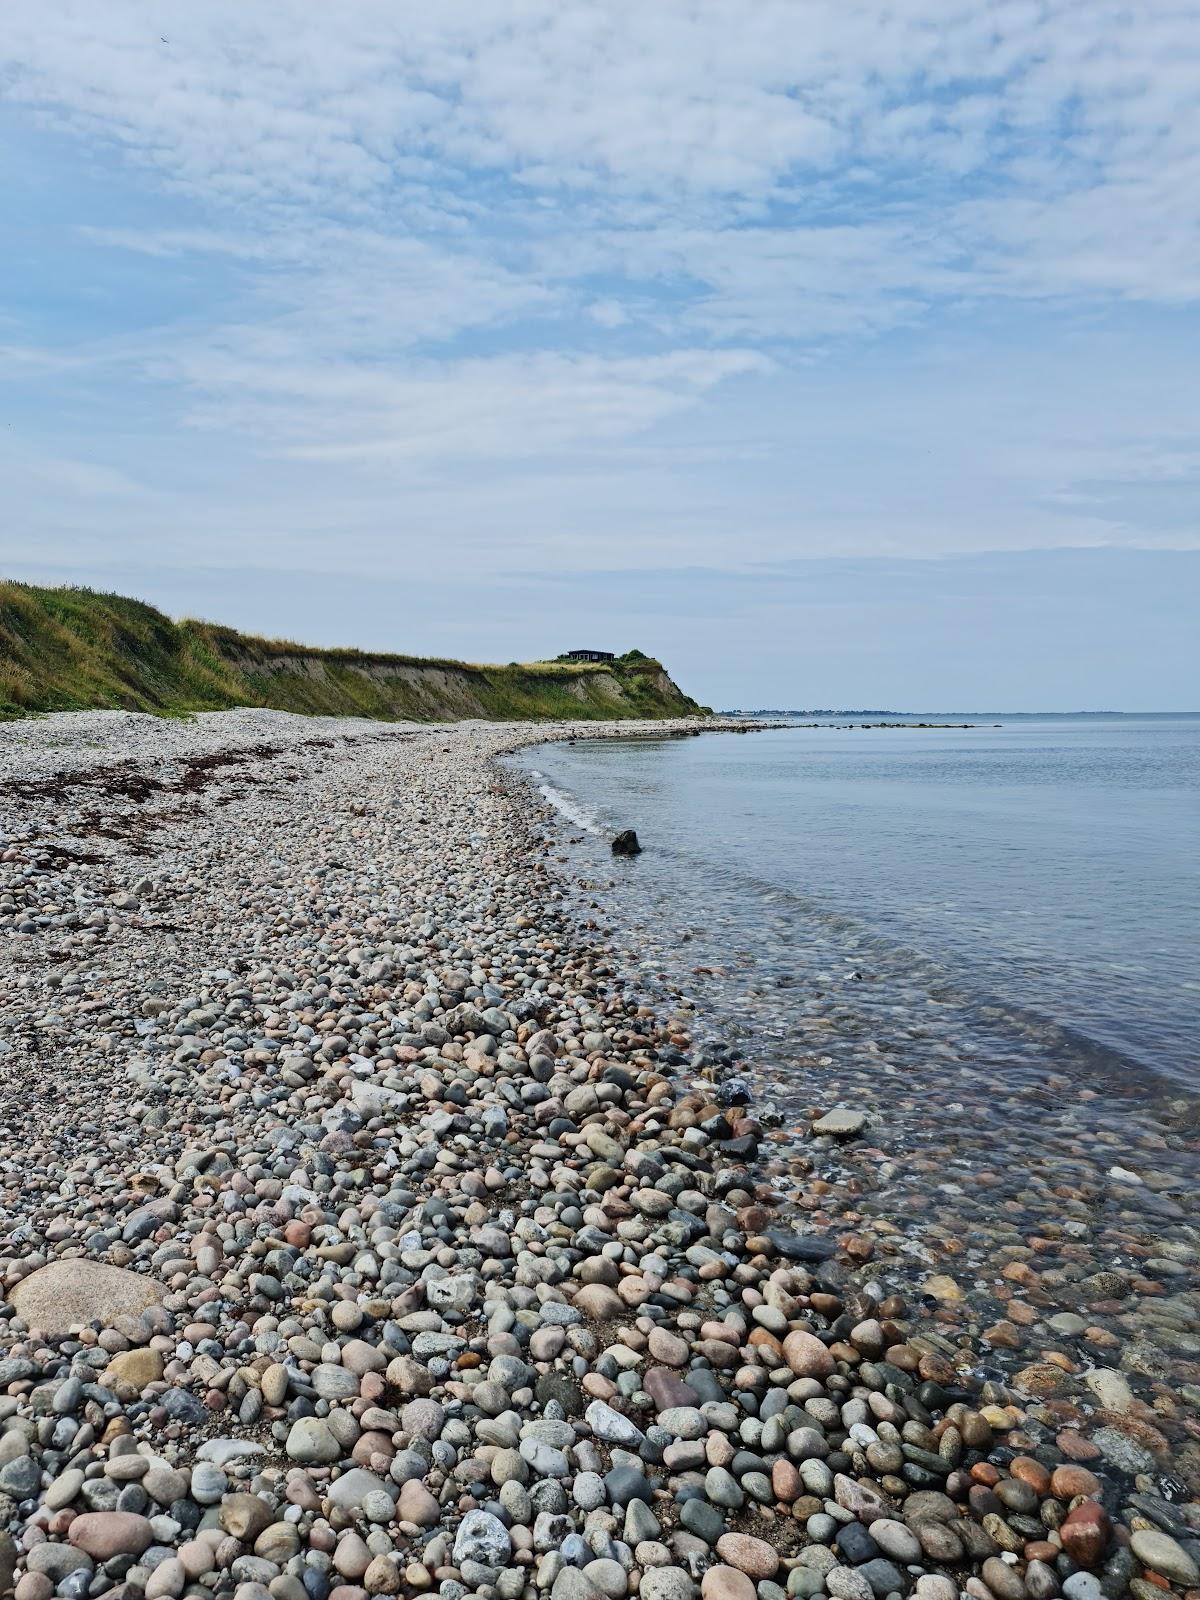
point(456, 1292)
point(884, 1577)
point(56, 1560)
point(333, 1382)
point(349, 1491)
point(705, 1521)
point(609, 1577)
point(847, 1583)
point(1081, 1586)
point(1110, 1387)
point(612, 1427)
point(1163, 1555)
point(587, 1490)
point(641, 1525)
point(666, 1583)
point(311, 1441)
point(805, 1582)
point(223, 1451)
point(20, 1477)
point(573, 1584)
point(209, 1483)
point(1123, 1452)
point(841, 1122)
point(722, 1489)
point(483, 1538)
point(64, 1489)
point(896, 1540)
point(681, 1422)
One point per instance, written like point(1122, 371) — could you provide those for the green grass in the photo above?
point(74, 649)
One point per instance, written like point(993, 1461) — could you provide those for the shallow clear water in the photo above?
point(1046, 872)
point(985, 941)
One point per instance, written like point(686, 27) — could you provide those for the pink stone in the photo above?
point(867, 1504)
point(806, 1355)
point(598, 1301)
point(668, 1348)
point(755, 1557)
point(726, 1583)
point(416, 1504)
point(104, 1534)
point(33, 1586)
point(666, 1389)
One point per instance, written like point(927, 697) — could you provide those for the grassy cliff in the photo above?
point(75, 649)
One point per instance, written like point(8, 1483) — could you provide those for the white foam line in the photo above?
point(574, 813)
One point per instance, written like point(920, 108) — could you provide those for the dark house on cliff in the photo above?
point(589, 655)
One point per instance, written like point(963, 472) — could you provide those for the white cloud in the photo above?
point(608, 313)
point(346, 289)
point(556, 237)
point(505, 408)
point(643, 111)
point(33, 361)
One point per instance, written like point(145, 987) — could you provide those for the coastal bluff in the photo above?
point(73, 649)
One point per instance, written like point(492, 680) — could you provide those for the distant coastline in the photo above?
point(956, 718)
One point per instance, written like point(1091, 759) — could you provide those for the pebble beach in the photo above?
point(367, 1227)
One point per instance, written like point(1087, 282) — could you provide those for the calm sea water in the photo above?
point(1035, 881)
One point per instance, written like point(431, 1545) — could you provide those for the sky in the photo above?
point(841, 353)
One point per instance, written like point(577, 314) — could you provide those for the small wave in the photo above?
point(571, 809)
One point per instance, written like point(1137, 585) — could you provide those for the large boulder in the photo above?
point(73, 1292)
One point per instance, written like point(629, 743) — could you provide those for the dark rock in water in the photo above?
point(801, 1246)
point(1161, 1512)
point(710, 1054)
point(626, 844)
point(716, 1128)
point(832, 1275)
point(623, 1080)
point(733, 1092)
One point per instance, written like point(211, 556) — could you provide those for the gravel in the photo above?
point(365, 1233)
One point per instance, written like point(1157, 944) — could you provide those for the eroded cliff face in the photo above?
point(436, 690)
point(71, 649)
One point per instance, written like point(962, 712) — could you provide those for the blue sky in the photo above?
point(830, 352)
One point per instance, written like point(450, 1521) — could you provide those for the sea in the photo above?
point(1040, 879)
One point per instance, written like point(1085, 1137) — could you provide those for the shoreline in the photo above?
point(496, 1165)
